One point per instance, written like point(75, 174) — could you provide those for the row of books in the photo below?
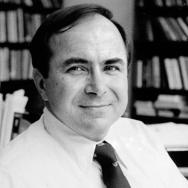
point(156, 72)
point(173, 106)
point(31, 3)
point(164, 3)
point(17, 26)
point(165, 28)
point(11, 109)
point(15, 64)
point(170, 3)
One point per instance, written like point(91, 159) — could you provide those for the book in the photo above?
point(148, 73)
point(179, 3)
point(176, 29)
point(169, 33)
point(3, 37)
point(27, 70)
point(183, 25)
point(12, 26)
point(46, 3)
point(173, 2)
point(159, 3)
point(149, 29)
point(20, 24)
point(27, 27)
point(183, 62)
point(173, 73)
point(156, 73)
point(168, 3)
point(4, 64)
point(165, 101)
point(165, 113)
point(144, 108)
point(25, 64)
point(28, 3)
point(13, 64)
point(169, 73)
point(139, 73)
point(1, 109)
point(177, 74)
point(18, 64)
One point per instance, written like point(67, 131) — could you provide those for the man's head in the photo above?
point(80, 68)
point(61, 21)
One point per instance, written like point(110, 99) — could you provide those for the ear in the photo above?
point(40, 84)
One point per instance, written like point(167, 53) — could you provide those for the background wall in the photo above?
point(123, 11)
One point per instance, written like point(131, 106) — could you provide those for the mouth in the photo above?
point(95, 106)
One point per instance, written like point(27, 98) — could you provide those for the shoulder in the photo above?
point(132, 131)
point(127, 127)
point(24, 145)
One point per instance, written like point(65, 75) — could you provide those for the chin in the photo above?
point(98, 129)
point(97, 137)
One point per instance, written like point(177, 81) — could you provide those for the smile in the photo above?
point(95, 106)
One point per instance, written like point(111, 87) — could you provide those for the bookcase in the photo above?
point(19, 20)
point(160, 65)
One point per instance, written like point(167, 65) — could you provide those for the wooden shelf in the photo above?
point(35, 104)
point(158, 119)
point(15, 45)
point(36, 8)
point(160, 48)
point(179, 157)
point(156, 91)
point(173, 11)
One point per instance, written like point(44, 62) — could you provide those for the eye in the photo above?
point(77, 70)
point(111, 68)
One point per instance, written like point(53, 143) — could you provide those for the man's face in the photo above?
point(87, 83)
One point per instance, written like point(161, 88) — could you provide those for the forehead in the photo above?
point(94, 32)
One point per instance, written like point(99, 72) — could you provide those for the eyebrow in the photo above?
point(77, 60)
point(114, 60)
point(74, 60)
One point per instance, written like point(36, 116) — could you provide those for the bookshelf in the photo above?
point(19, 19)
point(160, 87)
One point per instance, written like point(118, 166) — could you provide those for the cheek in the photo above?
point(55, 91)
point(120, 87)
point(65, 93)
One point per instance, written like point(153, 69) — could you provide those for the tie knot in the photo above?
point(104, 153)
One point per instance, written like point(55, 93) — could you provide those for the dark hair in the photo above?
point(64, 19)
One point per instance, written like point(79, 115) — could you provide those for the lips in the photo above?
point(95, 106)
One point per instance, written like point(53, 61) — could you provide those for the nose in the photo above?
point(96, 84)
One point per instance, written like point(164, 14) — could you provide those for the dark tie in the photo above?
point(112, 174)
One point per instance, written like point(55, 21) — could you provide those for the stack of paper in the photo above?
point(14, 103)
point(173, 136)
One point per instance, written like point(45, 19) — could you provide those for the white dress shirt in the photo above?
point(50, 155)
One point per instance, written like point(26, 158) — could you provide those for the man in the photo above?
point(80, 59)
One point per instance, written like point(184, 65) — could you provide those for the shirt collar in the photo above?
point(80, 149)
